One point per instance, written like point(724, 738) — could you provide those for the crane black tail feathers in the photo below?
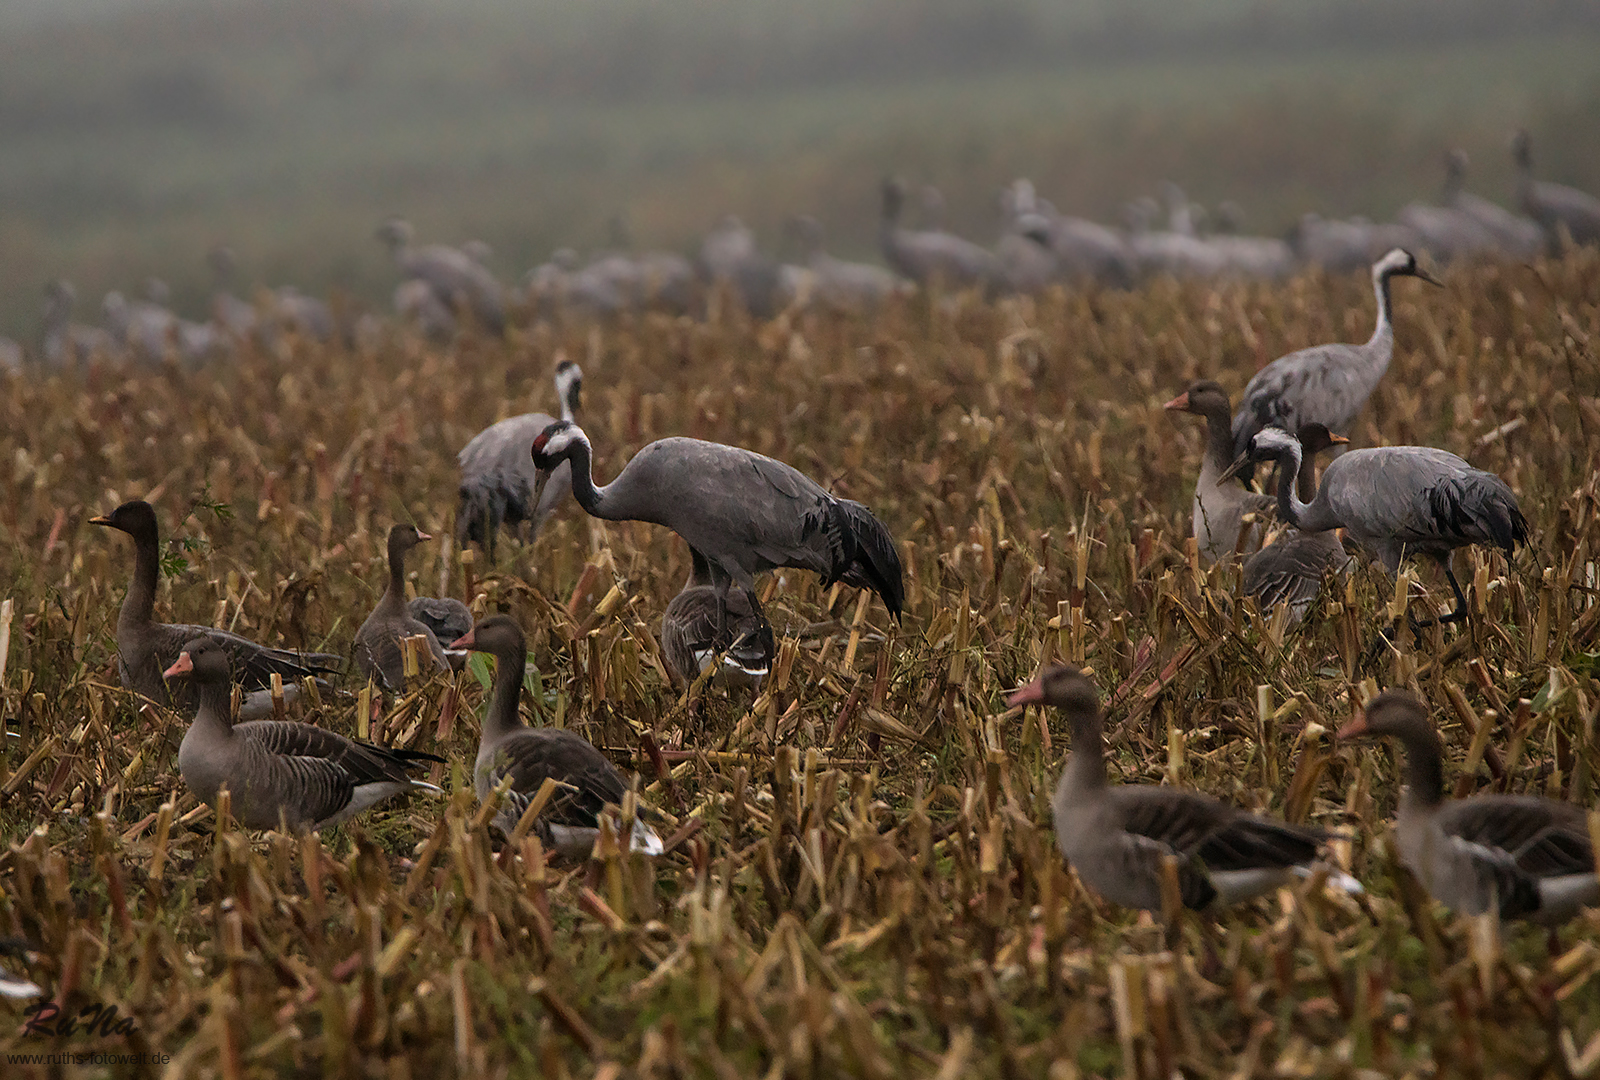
point(1481, 509)
point(873, 561)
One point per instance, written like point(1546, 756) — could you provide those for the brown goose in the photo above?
point(689, 638)
point(1290, 570)
point(569, 823)
point(278, 773)
point(1116, 837)
point(378, 652)
point(1219, 506)
point(1522, 856)
point(146, 647)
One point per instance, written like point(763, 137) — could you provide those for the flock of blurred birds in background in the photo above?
point(445, 287)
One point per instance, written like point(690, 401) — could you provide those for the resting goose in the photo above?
point(1219, 506)
point(1290, 570)
point(1116, 837)
point(570, 821)
point(378, 652)
point(279, 773)
point(146, 647)
point(689, 638)
point(1523, 856)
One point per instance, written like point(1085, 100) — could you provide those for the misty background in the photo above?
point(139, 133)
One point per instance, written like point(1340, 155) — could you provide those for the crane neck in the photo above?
point(590, 497)
point(1383, 332)
point(1290, 508)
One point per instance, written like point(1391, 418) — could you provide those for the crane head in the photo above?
point(1268, 444)
point(555, 442)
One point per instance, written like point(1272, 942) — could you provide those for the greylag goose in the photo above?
point(146, 647)
point(499, 484)
point(743, 512)
point(690, 641)
point(1325, 384)
point(378, 652)
point(279, 773)
point(1396, 501)
point(1521, 856)
point(1219, 506)
point(1116, 837)
point(570, 822)
point(1290, 570)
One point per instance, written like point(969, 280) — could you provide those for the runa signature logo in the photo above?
point(45, 1018)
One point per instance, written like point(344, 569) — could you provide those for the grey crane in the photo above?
point(499, 484)
point(238, 318)
point(1291, 568)
point(65, 342)
point(1446, 232)
point(728, 255)
point(1084, 250)
point(461, 283)
point(1342, 245)
point(1175, 250)
point(11, 355)
point(1515, 235)
point(690, 639)
point(742, 512)
point(931, 256)
point(1027, 263)
point(1219, 507)
point(1396, 501)
point(148, 331)
point(1325, 384)
point(1556, 207)
point(838, 283)
point(306, 316)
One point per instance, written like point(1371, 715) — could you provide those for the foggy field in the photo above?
point(874, 889)
point(137, 140)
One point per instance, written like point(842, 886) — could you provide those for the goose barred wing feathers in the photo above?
point(252, 663)
point(533, 755)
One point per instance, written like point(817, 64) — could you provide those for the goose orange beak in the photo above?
point(1031, 694)
point(1337, 440)
point(1355, 728)
point(1179, 403)
point(424, 536)
point(465, 641)
point(181, 666)
point(100, 519)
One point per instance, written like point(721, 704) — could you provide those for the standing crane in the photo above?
point(1555, 207)
point(1325, 384)
point(926, 256)
point(498, 481)
point(743, 513)
point(1396, 501)
point(459, 281)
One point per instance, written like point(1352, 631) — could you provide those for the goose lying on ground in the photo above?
point(1522, 856)
point(378, 652)
point(570, 821)
point(1116, 837)
point(690, 642)
point(278, 773)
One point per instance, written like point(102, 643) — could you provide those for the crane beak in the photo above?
point(1355, 728)
point(1031, 694)
point(1236, 468)
point(181, 666)
point(1179, 403)
point(1429, 278)
point(465, 641)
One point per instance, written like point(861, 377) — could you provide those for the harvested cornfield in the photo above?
point(861, 877)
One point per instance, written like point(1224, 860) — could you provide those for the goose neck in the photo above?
point(139, 605)
point(502, 717)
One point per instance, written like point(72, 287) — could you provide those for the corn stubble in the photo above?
point(861, 878)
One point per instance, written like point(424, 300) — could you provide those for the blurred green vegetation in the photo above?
point(140, 132)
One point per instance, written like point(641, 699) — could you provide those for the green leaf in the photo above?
point(478, 664)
